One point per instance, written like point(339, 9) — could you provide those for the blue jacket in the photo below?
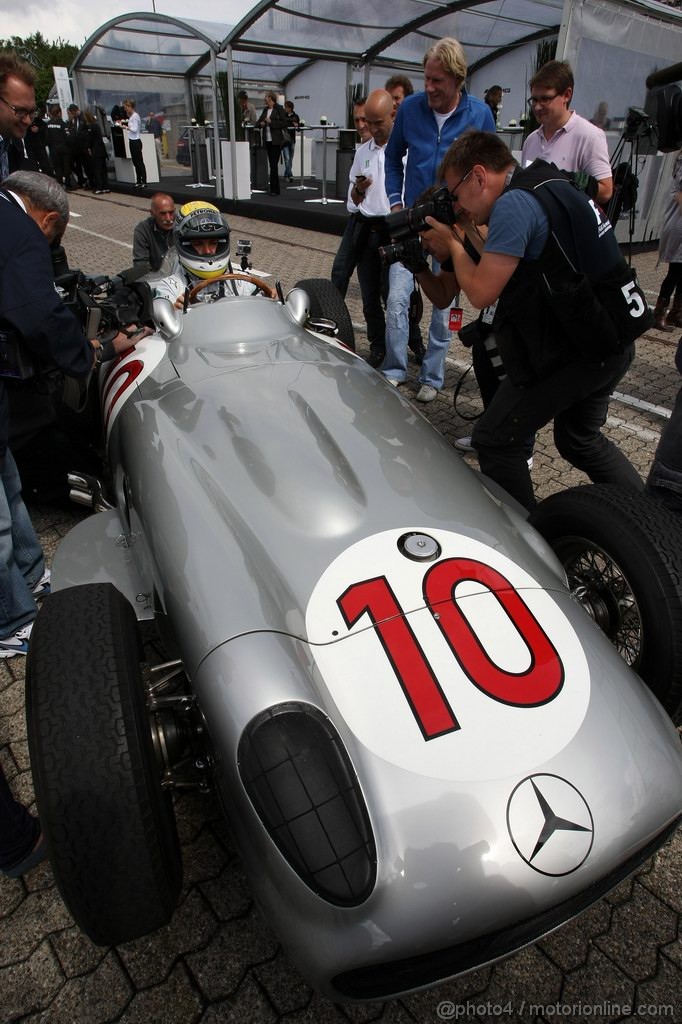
point(415, 132)
point(30, 304)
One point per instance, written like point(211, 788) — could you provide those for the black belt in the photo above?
point(371, 221)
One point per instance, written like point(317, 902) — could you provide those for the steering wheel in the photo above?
point(262, 285)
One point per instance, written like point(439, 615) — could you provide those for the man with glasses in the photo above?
point(17, 110)
point(564, 138)
point(568, 314)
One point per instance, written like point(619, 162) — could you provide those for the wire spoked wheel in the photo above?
point(603, 590)
point(622, 554)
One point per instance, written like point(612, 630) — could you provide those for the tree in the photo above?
point(43, 56)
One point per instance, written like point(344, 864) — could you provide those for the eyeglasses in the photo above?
point(541, 101)
point(19, 112)
point(452, 194)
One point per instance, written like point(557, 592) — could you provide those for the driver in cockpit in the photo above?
point(200, 252)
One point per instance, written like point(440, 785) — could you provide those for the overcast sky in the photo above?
point(75, 20)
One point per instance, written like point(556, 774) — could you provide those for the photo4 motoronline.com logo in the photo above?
point(447, 1010)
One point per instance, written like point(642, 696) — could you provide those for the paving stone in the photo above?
point(96, 998)
point(638, 928)
point(192, 812)
point(238, 946)
point(148, 960)
point(11, 895)
point(318, 1009)
point(674, 953)
point(248, 1006)
point(173, 1002)
point(77, 954)
point(30, 985)
point(597, 985)
point(665, 877)
point(569, 946)
point(229, 894)
point(622, 893)
point(423, 1005)
point(284, 985)
point(661, 996)
point(202, 859)
point(529, 978)
point(40, 914)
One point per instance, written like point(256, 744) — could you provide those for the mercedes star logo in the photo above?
point(550, 824)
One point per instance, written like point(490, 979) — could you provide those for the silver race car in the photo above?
point(425, 717)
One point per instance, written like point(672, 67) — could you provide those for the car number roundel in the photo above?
point(459, 668)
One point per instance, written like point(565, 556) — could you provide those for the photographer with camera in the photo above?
point(568, 314)
point(35, 326)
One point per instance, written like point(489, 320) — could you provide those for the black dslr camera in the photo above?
point(405, 225)
point(102, 305)
point(106, 305)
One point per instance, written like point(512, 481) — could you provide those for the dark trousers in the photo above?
point(373, 278)
point(576, 397)
point(61, 162)
point(665, 476)
point(18, 829)
point(344, 261)
point(672, 282)
point(100, 177)
point(273, 160)
point(138, 162)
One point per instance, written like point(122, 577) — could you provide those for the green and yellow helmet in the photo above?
point(202, 221)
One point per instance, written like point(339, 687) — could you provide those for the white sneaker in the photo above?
point(464, 444)
point(426, 393)
point(16, 644)
point(530, 462)
point(42, 587)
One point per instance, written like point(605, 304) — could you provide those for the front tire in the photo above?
point(622, 552)
point(327, 301)
point(108, 825)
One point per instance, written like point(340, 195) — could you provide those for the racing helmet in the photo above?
point(201, 221)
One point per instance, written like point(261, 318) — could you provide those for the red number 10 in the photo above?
point(538, 684)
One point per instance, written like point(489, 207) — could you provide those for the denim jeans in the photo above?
point(18, 829)
point(432, 371)
point(21, 557)
point(288, 154)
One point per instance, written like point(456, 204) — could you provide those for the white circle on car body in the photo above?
point(460, 668)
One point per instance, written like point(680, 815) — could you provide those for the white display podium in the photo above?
point(124, 168)
point(242, 187)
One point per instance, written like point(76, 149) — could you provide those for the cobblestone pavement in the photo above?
point(218, 960)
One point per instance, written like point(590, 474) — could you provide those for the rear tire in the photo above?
point(327, 301)
point(109, 827)
point(622, 552)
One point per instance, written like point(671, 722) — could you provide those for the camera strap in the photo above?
point(416, 308)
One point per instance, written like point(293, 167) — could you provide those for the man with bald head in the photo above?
point(368, 204)
point(153, 236)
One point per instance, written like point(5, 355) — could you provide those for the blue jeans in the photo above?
point(288, 154)
point(21, 557)
point(432, 371)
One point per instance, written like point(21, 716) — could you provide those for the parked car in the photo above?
point(427, 746)
point(182, 150)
